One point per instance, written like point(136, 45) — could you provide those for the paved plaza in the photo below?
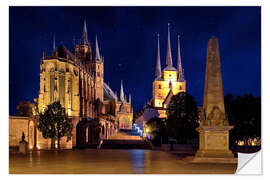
point(91, 161)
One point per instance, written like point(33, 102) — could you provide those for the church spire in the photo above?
point(97, 54)
point(158, 66)
point(54, 43)
point(179, 64)
point(169, 51)
point(84, 34)
point(54, 48)
point(122, 96)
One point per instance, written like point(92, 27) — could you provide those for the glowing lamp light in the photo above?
point(56, 144)
point(69, 112)
point(240, 143)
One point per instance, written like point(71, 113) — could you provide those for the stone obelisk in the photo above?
point(214, 127)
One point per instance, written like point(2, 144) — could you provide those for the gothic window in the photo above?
point(159, 86)
point(84, 89)
point(180, 87)
point(52, 85)
point(70, 90)
point(98, 74)
point(62, 87)
point(103, 130)
point(86, 135)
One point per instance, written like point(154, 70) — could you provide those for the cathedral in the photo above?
point(168, 82)
point(76, 79)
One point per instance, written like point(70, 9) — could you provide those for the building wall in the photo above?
point(125, 115)
point(162, 88)
point(98, 71)
point(18, 125)
point(65, 86)
point(125, 121)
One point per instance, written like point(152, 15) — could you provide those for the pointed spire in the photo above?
point(122, 96)
point(116, 95)
point(84, 33)
point(179, 63)
point(169, 51)
point(54, 48)
point(158, 66)
point(54, 43)
point(84, 27)
point(129, 98)
point(97, 54)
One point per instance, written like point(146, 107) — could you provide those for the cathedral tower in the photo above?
point(169, 82)
point(97, 68)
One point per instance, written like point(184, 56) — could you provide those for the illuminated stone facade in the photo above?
point(76, 79)
point(169, 82)
point(125, 111)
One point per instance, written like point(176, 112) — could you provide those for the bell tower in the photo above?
point(168, 82)
point(97, 69)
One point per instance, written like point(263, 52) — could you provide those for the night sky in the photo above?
point(128, 42)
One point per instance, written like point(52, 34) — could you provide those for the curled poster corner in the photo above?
point(249, 163)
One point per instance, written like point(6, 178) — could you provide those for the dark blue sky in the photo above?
point(128, 42)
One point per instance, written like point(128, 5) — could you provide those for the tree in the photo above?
point(182, 115)
point(24, 108)
point(156, 127)
point(55, 124)
point(244, 113)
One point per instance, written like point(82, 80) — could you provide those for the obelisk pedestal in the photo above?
point(214, 145)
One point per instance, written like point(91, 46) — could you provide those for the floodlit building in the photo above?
point(76, 79)
point(168, 82)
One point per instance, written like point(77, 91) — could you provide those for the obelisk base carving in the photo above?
point(214, 145)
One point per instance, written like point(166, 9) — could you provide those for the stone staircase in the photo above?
point(125, 139)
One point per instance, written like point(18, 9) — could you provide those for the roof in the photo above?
point(159, 79)
point(168, 98)
point(63, 52)
point(108, 93)
point(169, 68)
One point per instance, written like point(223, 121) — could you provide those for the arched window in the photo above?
point(86, 135)
point(103, 130)
point(62, 87)
point(52, 85)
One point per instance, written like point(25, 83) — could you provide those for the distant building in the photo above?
point(76, 79)
point(168, 82)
